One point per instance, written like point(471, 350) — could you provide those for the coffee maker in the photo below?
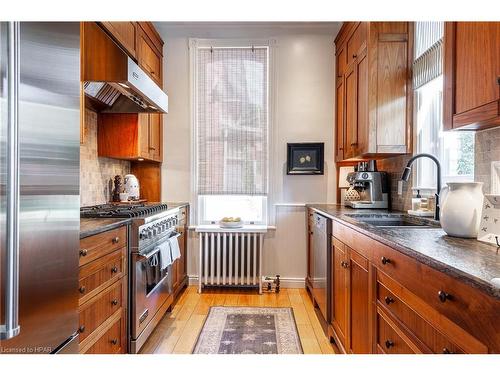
point(371, 185)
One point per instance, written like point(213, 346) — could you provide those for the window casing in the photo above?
point(231, 121)
point(455, 150)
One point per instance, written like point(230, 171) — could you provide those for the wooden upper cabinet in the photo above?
point(130, 136)
point(125, 33)
point(150, 52)
point(374, 115)
point(471, 75)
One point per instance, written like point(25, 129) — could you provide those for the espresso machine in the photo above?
point(372, 186)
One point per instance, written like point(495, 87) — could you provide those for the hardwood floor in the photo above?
point(179, 329)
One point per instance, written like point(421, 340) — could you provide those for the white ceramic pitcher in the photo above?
point(461, 204)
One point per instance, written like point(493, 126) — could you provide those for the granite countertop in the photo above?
point(468, 260)
point(91, 226)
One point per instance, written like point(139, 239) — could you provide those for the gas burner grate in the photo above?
point(128, 211)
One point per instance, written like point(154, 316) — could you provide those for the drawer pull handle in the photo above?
point(389, 344)
point(114, 341)
point(443, 296)
point(447, 351)
point(82, 289)
point(116, 239)
point(83, 252)
point(385, 260)
point(81, 328)
point(388, 300)
point(354, 56)
point(114, 302)
point(114, 269)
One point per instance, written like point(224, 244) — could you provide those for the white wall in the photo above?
point(305, 67)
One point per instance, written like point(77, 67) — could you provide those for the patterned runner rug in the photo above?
point(249, 330)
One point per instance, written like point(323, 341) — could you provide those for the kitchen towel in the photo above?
point(165, 255)
point(174, 248)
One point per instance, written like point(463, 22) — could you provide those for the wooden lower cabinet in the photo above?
point(383, 301)
point(103, 293)
point(179, 268)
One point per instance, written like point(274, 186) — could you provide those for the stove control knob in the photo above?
point(150, 233)
point(143, 235)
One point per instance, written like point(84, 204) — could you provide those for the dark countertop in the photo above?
point(468, 260)
point(91, 226)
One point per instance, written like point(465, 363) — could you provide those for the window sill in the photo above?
point(247, 228)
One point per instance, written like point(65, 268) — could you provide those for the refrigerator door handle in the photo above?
point(11, 327)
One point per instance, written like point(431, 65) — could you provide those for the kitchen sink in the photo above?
point(392, 221)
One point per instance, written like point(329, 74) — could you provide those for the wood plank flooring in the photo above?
point(179, 329)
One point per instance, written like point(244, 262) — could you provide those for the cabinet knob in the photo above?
point(115, 240)
point(82, 289)
point(354, 144)
point(498, 80)
point(83, 252)
point(354, 56)
point(388, 300)
point(389, 344)
point(81, 328)
point(114, 269)
point(114, 341)
point(385, 260)
point(447, 351)
point(114, 302)
point(443, 296)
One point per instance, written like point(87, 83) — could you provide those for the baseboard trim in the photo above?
point(285, 282)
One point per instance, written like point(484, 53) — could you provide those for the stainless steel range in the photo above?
point(150, 282)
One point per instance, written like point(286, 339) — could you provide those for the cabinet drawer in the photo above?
point(94, 247)
point(101, 273)
point(390, 340)
point(434, 341)
point(112, 341)
point(99, 309)
point(456, 301)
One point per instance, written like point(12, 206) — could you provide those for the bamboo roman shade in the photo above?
point(428, 62)
point(231, 119)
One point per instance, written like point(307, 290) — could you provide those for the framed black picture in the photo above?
point(305, 158)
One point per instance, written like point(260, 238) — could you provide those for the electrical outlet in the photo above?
point(400, 187)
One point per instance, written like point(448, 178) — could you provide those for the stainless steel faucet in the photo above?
point(406, 176)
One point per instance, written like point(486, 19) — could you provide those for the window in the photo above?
point(455, 150)
point(231, 127)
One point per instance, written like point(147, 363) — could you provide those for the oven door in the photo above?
point(151, 286)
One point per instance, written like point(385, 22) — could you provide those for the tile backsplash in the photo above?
point(96, 173)
point(394, 167)
point(487, 151)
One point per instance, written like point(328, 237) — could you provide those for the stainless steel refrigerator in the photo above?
point(39, 186)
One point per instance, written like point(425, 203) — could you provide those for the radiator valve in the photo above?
point(272, 283)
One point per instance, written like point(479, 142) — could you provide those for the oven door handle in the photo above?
point(148, 255)
point(175, 235)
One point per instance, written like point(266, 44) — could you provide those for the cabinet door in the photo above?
point(356, 42)
point(361, 70)
point(181, 267)
point(472, 73)
point(339, 120)
point(359, 332)
point(340, 296)
point(351, 123)
point(143, 130)
point(124, 33)
point(155, 136)
point(149, 58)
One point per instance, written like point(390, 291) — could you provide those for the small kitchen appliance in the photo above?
point(131, 186)
point(372, 187)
